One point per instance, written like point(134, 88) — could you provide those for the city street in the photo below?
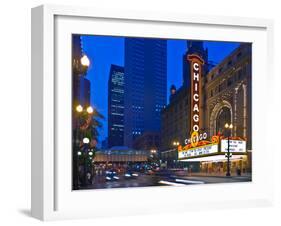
point(142, 180)
point(162, 179)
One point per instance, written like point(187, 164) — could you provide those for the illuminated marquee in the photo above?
point(198, 151)
point(215, 146)
point(196, 63)
point(234, 145)
point(202, 148)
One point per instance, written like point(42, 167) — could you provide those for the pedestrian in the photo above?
point(238, 171)
point(89, 178)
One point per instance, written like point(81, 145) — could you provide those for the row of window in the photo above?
point(227, 65)
point(229, 82)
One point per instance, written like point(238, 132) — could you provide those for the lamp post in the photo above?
point(174, 154)
point(80, 68)
point(228, 127)
point(77, 152)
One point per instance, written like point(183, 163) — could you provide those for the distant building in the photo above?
point(145, 86)
point(121, 154)
point(81, 86)
point(104, 143)
point(175, 122)
point(116, 106)
point(147, 141)
point(83, 89)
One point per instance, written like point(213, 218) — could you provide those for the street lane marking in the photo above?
point(169, 183)
point(189, 181)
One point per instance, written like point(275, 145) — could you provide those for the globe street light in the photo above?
point(228, 127)
point(176, 143)
point(80, 66)
point(90, 110)
point(80, 110)
point(86, 140)
point(85, 61)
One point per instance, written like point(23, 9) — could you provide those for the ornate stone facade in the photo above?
point(228, 94)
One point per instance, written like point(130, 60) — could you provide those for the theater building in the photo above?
point(224, 97)
point(228, 100)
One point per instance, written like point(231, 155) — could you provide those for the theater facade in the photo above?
point(215, 97)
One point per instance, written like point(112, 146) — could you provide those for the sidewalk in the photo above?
point(203, 174)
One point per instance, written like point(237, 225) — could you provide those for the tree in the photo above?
point(89, 128)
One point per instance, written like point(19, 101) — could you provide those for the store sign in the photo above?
point(234, 145)
point(198, 151)
point(196, 138)
point(196, 63)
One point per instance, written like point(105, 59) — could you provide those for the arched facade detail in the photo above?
point(213, 117)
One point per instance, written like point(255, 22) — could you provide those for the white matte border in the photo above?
point(93, 203)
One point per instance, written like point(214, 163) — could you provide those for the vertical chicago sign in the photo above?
point(196, 65)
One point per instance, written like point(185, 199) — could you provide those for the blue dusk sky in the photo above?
point(105, 50)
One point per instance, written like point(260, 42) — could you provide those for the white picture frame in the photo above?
point(52, 197)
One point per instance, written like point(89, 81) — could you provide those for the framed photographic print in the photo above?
point(130, 109)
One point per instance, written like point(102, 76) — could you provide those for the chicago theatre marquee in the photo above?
point(221, 96)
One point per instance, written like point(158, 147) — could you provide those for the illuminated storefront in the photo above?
point(212, 154)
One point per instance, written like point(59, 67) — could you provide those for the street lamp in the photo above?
point(176, 143)
point(174, 152)
point(86, 140)
point(228, 127)
point(80, 66)
point(80, 110)
point(85, 61)
point(90, 110)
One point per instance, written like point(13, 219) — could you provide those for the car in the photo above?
point(129, 174)
point(149, 172)
point(111, 175)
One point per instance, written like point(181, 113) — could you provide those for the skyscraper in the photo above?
point(116, 106)
point(145, 86)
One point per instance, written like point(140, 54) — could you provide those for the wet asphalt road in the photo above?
point(144, 180)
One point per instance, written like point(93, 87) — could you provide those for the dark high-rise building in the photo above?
point(145, 86)
point(116, 106)
point(104, 143)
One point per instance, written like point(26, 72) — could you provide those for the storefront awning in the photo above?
point(214, 158)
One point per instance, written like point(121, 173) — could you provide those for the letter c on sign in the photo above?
point(196, 97)
point(196, 66)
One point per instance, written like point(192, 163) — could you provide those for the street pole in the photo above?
point(76, 157)
point(228, 158)
point(228, 129)
point(78, 69)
